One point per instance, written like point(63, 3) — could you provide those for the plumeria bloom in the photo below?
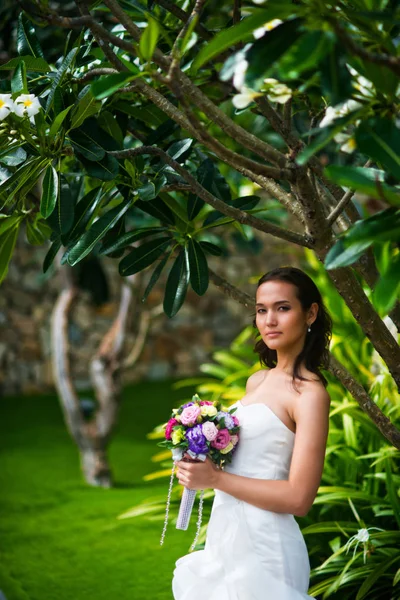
point(245, 97)
point(6, 106)
point(340, 110)
point(347, 141)
point(361, 537)
point(261, 31)
point(27, 104)
point(277, 92)
point(240, 73)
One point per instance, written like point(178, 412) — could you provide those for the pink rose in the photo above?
point(234, 439)
point(205, 402)
point(222, 440)
point(189, 415)
point(210, 432)
point(235, 420)
point(168, 429)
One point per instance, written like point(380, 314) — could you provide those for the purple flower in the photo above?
point(196, 439)
point(229, 422)
point(187, 404)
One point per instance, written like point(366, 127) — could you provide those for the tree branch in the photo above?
point(230, 290)
point(229, 211)
point(175, 52)
point(391, 62)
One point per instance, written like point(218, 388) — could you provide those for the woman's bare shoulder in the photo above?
point(255, 379)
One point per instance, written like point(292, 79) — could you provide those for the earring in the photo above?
point(309, 328)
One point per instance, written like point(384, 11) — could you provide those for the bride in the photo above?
point(254, 548)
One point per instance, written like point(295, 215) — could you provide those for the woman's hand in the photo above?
point(197, 475)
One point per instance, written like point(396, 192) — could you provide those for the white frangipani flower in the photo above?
point(6, 105)
point(340, 110)
point(27, 104)
point(245, 97)
point(239, 75)
point(260, 31)
point(277, 92)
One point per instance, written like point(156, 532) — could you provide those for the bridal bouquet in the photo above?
point(198, 429)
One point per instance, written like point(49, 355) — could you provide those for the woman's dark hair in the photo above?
point(315, 352)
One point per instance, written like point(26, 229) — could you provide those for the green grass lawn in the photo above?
point(59, 538)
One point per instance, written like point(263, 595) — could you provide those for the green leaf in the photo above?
point(13, 156)
point(85, 209)
point(264, 53)
point(131, 236)
point(211, 248)
point(59, 76)
point(110, 125)
point(305, 54)
point(105, 86)
point(204, 175)
point(86, 107)
point(156, 274)
point(243, 31)
point(387, 290)
point(375, 575)
point(379, 138)
point(147, 191)
point(383, 226)
point(362, 180)
point(198, 267)
point(50, 192)
point(65, 209)
point(7, 245)
point(105, 169)
point(177, 284)
point(144, 255)
point(157, 208)
point(341, 255)
point(243, 203)
point(18, 81)
point(9, 222)
point(27, 42)
point(148, 40)
point(99, 228)
point(35, 65)
point(51, 254)
point(58, 121)
point(83, 143)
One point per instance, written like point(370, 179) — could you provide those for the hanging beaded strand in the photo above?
point(199, 519)
point(171, 482)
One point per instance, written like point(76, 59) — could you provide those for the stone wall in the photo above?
point(174, 347)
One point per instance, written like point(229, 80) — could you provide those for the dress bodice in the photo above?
point(266, 444)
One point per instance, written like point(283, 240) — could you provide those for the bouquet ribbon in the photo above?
point(188, 497)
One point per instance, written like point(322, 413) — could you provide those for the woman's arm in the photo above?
point(294, 496)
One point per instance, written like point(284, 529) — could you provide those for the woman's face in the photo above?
point(280, 318)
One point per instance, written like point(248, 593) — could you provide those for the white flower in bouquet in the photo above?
point(27, 104)
point(6, 105)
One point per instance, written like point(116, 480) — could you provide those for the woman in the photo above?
point(254, 548)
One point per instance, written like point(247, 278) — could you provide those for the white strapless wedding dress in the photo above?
point(250, 553)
